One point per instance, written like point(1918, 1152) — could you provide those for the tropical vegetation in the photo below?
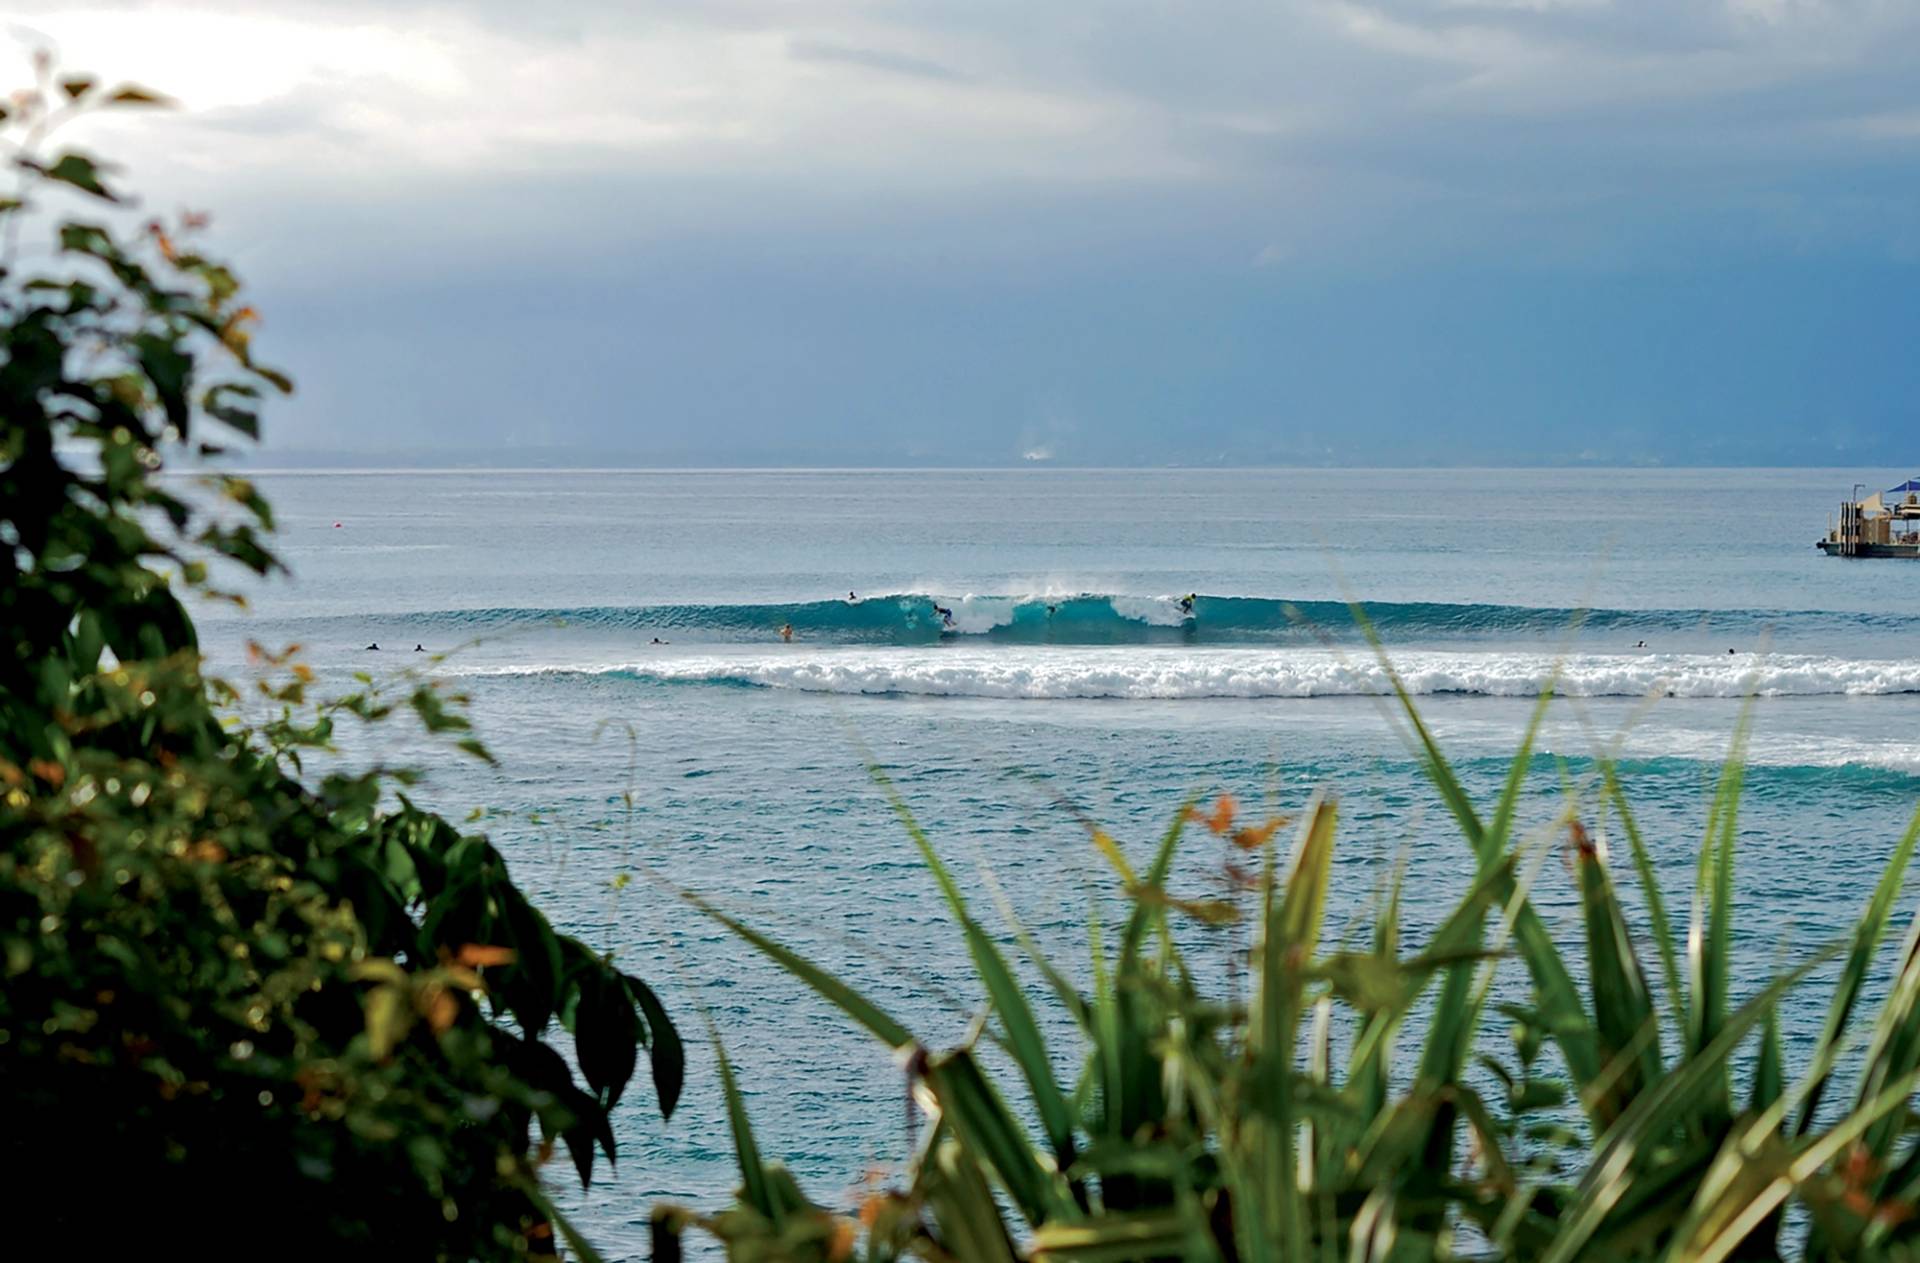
point(1380, 1102)
point(245, 1007)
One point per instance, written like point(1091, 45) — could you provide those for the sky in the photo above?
point(999, 232)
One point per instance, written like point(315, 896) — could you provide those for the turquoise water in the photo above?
point(1072, 681)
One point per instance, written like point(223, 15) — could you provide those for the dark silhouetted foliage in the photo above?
point(245, 1013)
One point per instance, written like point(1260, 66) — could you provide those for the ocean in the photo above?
point(1069, 685)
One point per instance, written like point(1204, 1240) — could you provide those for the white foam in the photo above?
point(978, 615)
point(1156, 611)
point(1150, 673)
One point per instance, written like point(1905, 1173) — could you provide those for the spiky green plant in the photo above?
point(1203, 1130)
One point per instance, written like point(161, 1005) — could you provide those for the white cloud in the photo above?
point(1355, 118)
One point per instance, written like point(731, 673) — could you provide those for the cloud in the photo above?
point(873, 59)
point(760, 202)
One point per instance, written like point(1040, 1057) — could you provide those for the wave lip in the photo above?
point(1266, 673)
point(1092, 618)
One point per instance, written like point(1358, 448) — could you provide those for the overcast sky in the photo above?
point(982, 231)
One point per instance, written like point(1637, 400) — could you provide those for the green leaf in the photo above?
point(841, 996)
point(664, 1050)
point(983, 1124)
point(1118, 1238)
point(133, 94)
point(1894, 1049)
point(1144, 913)
point(1623, 1012)
point(1559, 998)
point(217, 403)
point(754, 1187)
point(582, 1248)
point(607, 1030)
point(1024, 1040)
point(170, 370)
point(1621, 1151)
point(1290, 932)
point(1710, 934)
point(1649, 889)
point(964, 1209)
point(1757, 1172)
point(1867, 934)
point(388, 1018)
point(531, 984)
point(80, 172)
point(1769, 1079)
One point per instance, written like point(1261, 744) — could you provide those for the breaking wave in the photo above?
point(914, 618)
point(1248, 673)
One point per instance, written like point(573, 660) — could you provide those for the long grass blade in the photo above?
point(1558, 997)
point(1710, 933)
point(1657, 919)
point(1653, 1114)
point(835, 992)
point(1719, 1227)
point(1118, 1238)
point(963, 1205)
point(983, 1124)
point(1853, 975)
point(1063, 989)
point(755, 1189)
point(1290, 930)
point(1622, 1009)
point(1025, 1043)
point(1144, 911)
point(1895, 1047)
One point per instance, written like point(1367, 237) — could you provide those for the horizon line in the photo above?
point(1028, 467)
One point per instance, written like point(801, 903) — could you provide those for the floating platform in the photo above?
point(1835, 548)
point(1880, 525)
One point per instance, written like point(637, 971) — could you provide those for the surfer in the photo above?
point(1639, 644)
point(786, 632)
point(658, 641)
point(418, 647)
point(946, 615)
point(375, 648)
point(851, 598)
point(1186, 602)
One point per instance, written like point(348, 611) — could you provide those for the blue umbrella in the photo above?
point(1911, 484)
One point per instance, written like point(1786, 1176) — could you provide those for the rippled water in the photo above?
point(732, 762)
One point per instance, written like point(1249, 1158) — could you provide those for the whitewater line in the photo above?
point(1136, 674)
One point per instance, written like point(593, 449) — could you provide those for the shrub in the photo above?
point(241, 1013)
point(1636, 1114)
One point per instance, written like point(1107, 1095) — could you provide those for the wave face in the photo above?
point(913, 618)
point(1267, 674)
